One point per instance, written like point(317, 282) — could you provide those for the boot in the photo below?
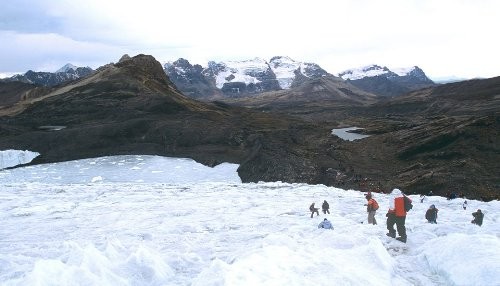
point(402, 239)
point(391, 234)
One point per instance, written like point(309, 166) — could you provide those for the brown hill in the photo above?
point(326, 89)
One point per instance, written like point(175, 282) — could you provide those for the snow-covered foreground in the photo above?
point(74, 223)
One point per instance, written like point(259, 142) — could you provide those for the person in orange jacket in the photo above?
point(371, 208)
point(397, 215)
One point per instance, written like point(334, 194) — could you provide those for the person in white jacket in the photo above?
point(325, 224)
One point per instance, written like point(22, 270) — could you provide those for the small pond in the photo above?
point(346, 134)
point(51, 127)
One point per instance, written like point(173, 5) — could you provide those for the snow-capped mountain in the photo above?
point(290, 73)
point(242, 77)
point(367, 71)
point(385, 82)
point(66, 73)
point(237, 78)
point(67, 67)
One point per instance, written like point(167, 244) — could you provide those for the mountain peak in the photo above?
point(67, 67)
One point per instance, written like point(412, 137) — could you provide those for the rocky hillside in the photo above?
point(322, 91)
point(441, 139)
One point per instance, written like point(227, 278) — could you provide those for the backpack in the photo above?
point(408, 204)
point(374, 205)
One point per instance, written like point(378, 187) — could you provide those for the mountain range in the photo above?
point(235, 79)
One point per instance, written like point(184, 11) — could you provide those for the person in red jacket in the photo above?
point(397, 215)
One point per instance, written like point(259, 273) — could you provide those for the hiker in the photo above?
point(397, 215)
point(371, 208)
point(313, 210)
point(326, 224)
point(478, 217)
point(422, 197)
point(325, 207)
point(464, 205)
point(431, 214)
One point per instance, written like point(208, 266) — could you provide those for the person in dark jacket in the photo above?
point(478, 217)
point(431, 214)
point(326, 224)
point(313, 210)
point(325, 207)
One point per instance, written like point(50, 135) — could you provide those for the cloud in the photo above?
point(443, 37)
point(48, 52)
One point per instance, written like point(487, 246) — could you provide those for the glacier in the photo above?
point(150, 220)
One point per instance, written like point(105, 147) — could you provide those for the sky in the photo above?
point(151, 220)
point(445, 38)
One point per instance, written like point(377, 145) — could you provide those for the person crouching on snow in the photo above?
point(431, 214)
point(326, 224)
point(478, 217)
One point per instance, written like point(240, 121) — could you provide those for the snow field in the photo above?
point(117, 231)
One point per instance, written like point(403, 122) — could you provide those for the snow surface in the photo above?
point(283, 68)
point(192, 232)
point(242, 71)
point(11, 158)
point(403, 71)
point(359, 73)
point(372, 71)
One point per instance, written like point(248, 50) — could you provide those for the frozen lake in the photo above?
point(346, 134)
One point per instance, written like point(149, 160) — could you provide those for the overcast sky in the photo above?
point(443, 37)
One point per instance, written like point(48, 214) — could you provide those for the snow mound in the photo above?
point(11, 158)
